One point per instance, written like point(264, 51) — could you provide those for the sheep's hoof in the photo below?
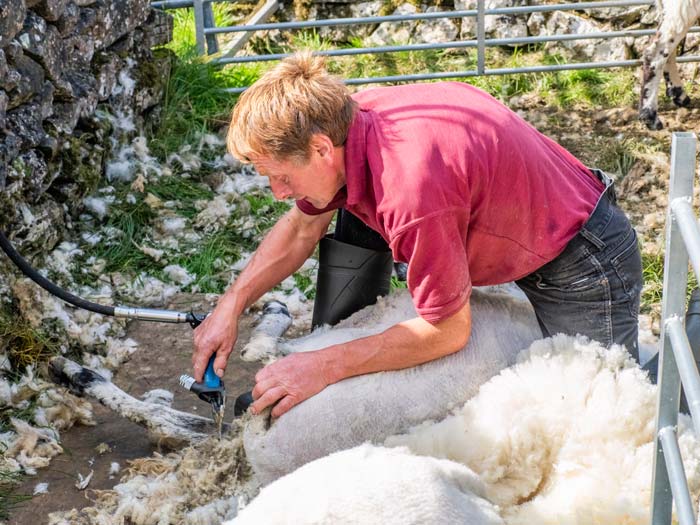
point(650, 119)
point(683, 101)
point(77, 378)
point(242, 403)
point(275, 307)
point(680, 99)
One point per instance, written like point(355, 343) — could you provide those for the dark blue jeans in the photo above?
point(593, 287)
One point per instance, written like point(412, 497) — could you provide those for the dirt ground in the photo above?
point(164, 354)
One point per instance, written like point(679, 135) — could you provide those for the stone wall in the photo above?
point(68, 68)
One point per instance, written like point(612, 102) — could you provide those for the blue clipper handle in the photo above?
point(211, 380)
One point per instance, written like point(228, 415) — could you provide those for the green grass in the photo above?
point(653, 272)
point(396, 284)
point(24, 344)
point(9, 498)
point(267, 209)
point(194, 103)
point(184, 191)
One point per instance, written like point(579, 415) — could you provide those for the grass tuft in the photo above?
point(9, 498)
point(24, 344)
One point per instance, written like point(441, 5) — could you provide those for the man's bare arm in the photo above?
point(285, 248)
point(297, 377)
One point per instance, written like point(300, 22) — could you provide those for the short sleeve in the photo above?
point(438, 271)
point(338, 202)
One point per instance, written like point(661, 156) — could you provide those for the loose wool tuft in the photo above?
point(200, 485)
point(563, 437)
point(373, 485)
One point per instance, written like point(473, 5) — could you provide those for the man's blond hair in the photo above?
point(278, 115)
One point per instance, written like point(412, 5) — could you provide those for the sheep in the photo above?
point(371, 407)
point(677, 16)
point(366, 408)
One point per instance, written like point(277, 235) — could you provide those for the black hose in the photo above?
point(47, 285)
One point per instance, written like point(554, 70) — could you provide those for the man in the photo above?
point(456, 185)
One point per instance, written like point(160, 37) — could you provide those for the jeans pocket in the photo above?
point(628, 266)
point(585, 275)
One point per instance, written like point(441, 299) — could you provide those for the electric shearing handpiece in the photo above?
point(211, 389)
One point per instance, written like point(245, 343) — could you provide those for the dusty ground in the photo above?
point(164, 354)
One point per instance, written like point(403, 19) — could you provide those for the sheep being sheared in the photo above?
point(677, 16)
point(371, 407)
point(359, 409)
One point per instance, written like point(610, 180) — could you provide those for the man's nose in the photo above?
point(280, 190)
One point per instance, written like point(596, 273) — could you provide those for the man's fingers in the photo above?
point(286, 403)
point(269, 397)
point(260, 388)
point(220, 362)
point(199, 365)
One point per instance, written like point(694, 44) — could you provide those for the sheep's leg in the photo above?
point(674, 84)
point(654, 62)
point(263, 341)
point(672, 30)
point(165, 425)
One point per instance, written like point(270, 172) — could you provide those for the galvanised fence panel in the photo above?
point(206, 35)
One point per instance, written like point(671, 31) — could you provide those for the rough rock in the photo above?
point(24, 81)
point(3, 108)
point(389, 33)
point(42, 42)
point(12, 14)
point(597, 50)
point(436, 30)
point(495, 26)
point(51, 10)
point(59, 59)
point(68, 20)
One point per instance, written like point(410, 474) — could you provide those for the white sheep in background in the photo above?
point(676, 17)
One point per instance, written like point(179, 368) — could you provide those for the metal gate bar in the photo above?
point(668, 478)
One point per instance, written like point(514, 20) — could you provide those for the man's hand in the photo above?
point(289, 381)
point(218, 334)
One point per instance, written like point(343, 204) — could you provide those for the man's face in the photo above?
point(317, 179)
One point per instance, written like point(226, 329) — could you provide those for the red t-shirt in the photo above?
point(462, 189)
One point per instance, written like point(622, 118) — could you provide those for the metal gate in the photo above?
point(206, 33)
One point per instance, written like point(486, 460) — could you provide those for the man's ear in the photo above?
point(322, 144)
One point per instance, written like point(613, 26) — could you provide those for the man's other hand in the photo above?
point(289, 381)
